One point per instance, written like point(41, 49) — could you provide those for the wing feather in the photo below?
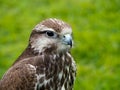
point(23, 75)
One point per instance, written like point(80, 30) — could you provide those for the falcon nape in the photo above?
point(46, 64)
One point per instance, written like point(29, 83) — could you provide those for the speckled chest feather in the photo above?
point(57, 73)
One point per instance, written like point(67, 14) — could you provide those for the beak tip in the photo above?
point(68, 40)
point(70, 43)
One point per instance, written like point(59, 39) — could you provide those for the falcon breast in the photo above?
point(46, 63)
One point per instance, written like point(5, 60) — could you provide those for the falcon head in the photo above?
point(51, 35)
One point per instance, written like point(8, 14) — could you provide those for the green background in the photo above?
point(96, 30)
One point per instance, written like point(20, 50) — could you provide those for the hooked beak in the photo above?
point(67, 40)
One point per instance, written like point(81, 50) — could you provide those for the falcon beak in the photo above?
point(67, 40)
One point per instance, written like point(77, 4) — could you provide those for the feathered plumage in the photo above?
point(46, 64)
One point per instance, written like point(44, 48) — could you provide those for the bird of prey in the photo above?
point(46, 63)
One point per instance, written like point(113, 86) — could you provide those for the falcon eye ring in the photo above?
point(51, 34)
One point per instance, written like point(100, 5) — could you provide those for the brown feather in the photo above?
point(56, 24)
point(47, 70)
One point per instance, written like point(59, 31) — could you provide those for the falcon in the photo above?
point(46, 63)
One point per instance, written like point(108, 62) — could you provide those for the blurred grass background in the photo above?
point(96, 29)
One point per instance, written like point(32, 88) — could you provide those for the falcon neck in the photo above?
point(28, 52)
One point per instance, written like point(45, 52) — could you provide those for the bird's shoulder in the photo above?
point(22, 73)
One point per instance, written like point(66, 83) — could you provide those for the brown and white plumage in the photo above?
point(46, 64)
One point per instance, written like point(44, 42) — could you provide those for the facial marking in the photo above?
point(43, 41)
point(41, 28)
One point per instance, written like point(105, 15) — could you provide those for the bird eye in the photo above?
point(50, 33)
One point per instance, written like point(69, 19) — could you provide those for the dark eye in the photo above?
point(50, 33)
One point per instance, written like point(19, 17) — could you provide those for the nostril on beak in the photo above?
point(63, 36)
